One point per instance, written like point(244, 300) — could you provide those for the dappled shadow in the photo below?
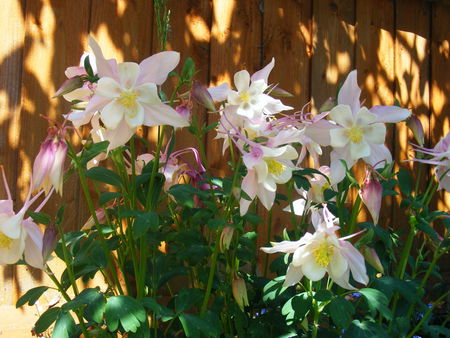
point(400, 49)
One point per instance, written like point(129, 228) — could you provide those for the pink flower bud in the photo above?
point(48, 242)
point(372, 258)
point(329, 104)
point(90, 222)
point(279, 92)
point(240, 292)
point(371, 193)
point(201, 94)
point(69, 86)
point(416, 127)
point(225, 238)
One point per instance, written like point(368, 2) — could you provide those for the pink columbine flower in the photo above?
point(20, 236)
point(322, 252)
point(440, 156)
point(360, 132)
point(127, 93)
point(48, 167)
point(371, 193)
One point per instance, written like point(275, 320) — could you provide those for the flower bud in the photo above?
point(329, 104)
point(69, 85)
point(202, 96)
point(90, 222)
point(371, 193)
point(372, 258)
point(240, 292)
point(279, 92)
point(48, 242)
point(225, 238)
point(184, 111)
point(416, 127)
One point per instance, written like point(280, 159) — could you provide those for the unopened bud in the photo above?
point(371, 193)
point(416, 127)
point(372, 258)
point(225, 238)
point(240, 292)
point(279, 92)
point(202, 96)
point(329, 104)
point(48, 242)
point(91, 222)
point(69, 85)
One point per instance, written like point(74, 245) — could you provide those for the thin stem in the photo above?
point(354, 215)
point(212, 271)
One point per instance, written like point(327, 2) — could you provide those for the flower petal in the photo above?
point(355, 261)
point(242, 80)
point(293, 275)
point(162, 114)
point(147, 93)
point(379, 156)
point(311, 270)
point(338, 264)
point(128, 73)
point(364, 117)
point(135, 118)
point(339, 137)
point(263, 74)
point(156, 68)
point(375, 133)
point(342, 115)
point(390, 114)
point(266, 197)
point(220, 92)
point(105, 68)
point(350, 92)
point(112, 114)
point(33, 245)
point(108, 88)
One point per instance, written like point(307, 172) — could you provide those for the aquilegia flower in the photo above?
point(360, 132)
point(441, 158)
point(322, 252)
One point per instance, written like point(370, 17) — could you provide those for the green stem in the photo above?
point(354, 215)
point(212, 271)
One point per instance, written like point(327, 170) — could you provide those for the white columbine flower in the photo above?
point(322, 252)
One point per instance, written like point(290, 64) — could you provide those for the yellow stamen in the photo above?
point(274, 167)
point(5, 241)
point(354, 134)
point(244, 96)
point(322, 254)
point(128, 99)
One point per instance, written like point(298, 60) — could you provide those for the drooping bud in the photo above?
point(416, 127)
point(90, 222)
point(69, 85)
point(279, 92)
point(240, 292)
point(48, 242)
point(329, 104)
point(225, 238)
point(371, 193)
point(202, 96)
point(372, 258)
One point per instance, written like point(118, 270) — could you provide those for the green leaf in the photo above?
point(215, 223)
point(194, 326)
point(341, 311)
point(377, 300)
point(104, 175)
point(88, 67)
point(143, 222)
point(388, 285)
point(187, 298)
point(161, 311)
point(46, 319)
point(126, 310)
point(184, 194)
point(297, 307)
point(107, 196)
point(423, 225)
point(65, 326)
point(323, 295)
point(405, 181)
point(188, 70)
point(252, 218)
point(273, 289)
point(31, 296)
point(85, 297)
point(89, 152)
point(40, 217)
point(365, 329)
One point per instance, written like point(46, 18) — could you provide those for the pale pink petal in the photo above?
point(56, 173)
point(117, 137)
point(342, 115)
point(355, 261)
point(14, 252)
point(262, 171)
point(343, 281)
point(128, 73)
point(12, 226)
point(33, 245)
point(337, 169)
point(338, 265)
point(108, 88)
point(242, 80)
point(350, 92)
point(6, 207)
point(320, 132)
point(390, 114)
point(266, 197)
point(298, 206)
point(96, 103)
point(105, 68)
point(263, 74)
point(220, 92)
point(248, 185)
point(156, 68)
point(148, 93)
point(112, 114)
point(136, 117)
point(42, 163)
point(162, 114)
point(339, 137)
point(284, 246)
point(364, 117)
point(293, 275)
point(379, 155)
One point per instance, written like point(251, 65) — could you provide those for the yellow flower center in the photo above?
point(128, 99)
point(274, 167)
point(5, 241)
point(354, 134)
point(244, 96)
point(322, 254)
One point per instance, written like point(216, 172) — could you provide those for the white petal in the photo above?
point(283, 177)
point(261, 171)
point(284, 246)
point(269, 184)
point(12, 226)
point(338, 137)
point(355, 261)
point(257, 88)
point(343, 281)
point(33, 245)
point(390, 114)
point(311, 270)
point(147, 93)
point(364, 117)
point(128, 73)
point(350, 92)
point(104, 67)
point(249, 184)
point(108, 87)
point(155, 68)
point(298, 206)
point(338, 264)
point(96, 103)
point(359, 150)
point(15, 251)
point(375, 133)
point(266, 197)
point(117, 137)
point(135, 118)
point(242, 80)
point(300, 254)
point(342, 115)
point(379, 156)
point(162, 114)
point(220, 92)
point(263, 74)
point(293, 275)
point(112, 114)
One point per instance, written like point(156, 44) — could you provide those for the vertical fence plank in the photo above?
point(333, 47)
point(440, 84)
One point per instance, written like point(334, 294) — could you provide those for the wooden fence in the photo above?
point(400, 49)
